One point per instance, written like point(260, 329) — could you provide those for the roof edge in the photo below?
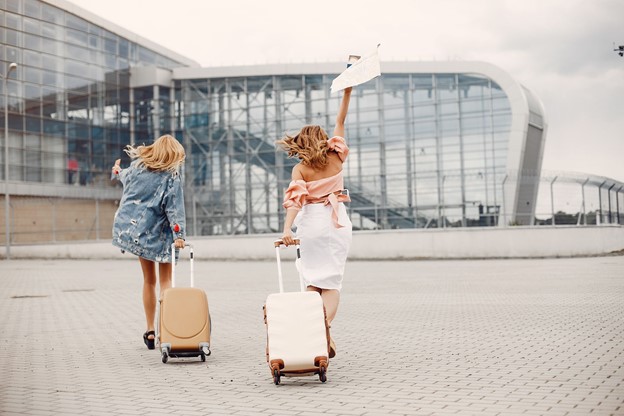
point(387, 67)
point(120, 31)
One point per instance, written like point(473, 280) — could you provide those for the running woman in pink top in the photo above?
point(314, 202)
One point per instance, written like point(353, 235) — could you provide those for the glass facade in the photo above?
point(432, 146)
point(69, 99)
point(427, 150)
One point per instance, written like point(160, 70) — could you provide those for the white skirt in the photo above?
point(324, 247)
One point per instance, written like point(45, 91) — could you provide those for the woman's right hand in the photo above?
point(116, 168)
point(287, 238)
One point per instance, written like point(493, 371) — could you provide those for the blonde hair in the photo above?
point(309, 145)
point(166, 154)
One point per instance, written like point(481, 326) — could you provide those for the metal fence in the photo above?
point(579, 199)
point(564, 198)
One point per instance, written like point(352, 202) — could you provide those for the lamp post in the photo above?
point(7, 224)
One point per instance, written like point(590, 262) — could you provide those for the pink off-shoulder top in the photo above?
point(327, 191)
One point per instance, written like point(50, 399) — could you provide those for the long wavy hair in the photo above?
point(166, 154)
point(309, 145)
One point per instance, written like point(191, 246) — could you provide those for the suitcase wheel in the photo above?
point(322, 374)
point(276, 376)
point(164, 355)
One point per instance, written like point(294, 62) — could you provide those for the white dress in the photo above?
point(323, 225)
point(324, 247)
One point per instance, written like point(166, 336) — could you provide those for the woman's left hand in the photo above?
point(287, 238)
point(179, 243)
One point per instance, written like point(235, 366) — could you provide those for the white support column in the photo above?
point(156, 111)
point(383, 176)
point(132, 116)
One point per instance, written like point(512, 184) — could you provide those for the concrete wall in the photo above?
point(488, 242)
point(36, 220)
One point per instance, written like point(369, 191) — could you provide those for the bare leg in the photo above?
point(164, 276)
point(149, 292)
point(331, 299)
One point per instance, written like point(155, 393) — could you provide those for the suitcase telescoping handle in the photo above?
point(277, 244)
point(173, 274)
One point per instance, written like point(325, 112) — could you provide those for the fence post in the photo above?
point(609, 199)
point(504, 205)
point(53, 201)
point(599, 218)
point(97, 219)
point(583, 196)
point(552, 201)
point(194, 214)
point(617, 204)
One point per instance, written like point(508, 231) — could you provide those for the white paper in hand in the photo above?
point(363, 70)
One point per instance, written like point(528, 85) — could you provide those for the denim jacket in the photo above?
point(150, 214)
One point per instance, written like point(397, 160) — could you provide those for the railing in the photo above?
point(564, 198)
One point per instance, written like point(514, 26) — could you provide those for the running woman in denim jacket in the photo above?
point(151, 215)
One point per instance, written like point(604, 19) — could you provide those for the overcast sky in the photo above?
point(560, 49)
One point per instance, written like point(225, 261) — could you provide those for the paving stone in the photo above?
point(509, 337)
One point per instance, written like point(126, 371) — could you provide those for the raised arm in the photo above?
point(342, 112)
point(291, 213)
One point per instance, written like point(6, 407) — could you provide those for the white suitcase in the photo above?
point(297, 332)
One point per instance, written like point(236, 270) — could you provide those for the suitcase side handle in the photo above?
point(173, 263)
point(278, 244)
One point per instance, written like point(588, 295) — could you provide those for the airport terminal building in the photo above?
point(433, 144)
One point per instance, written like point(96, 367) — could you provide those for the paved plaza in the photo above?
point(475, 337)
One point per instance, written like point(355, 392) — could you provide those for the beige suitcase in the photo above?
point(297, 332)
point(184, 319)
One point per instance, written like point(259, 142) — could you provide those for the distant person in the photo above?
point(314, 202)
point(72, 171)
point(151, 216)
